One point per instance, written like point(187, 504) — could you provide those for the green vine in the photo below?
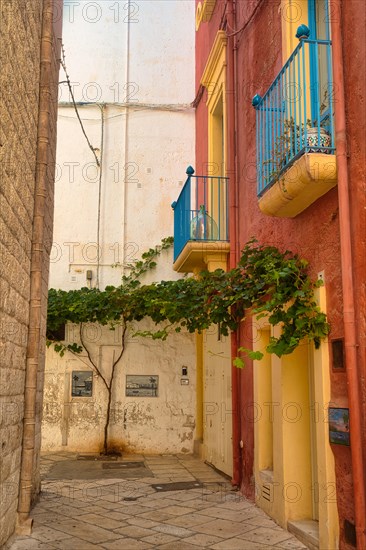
point(266, 283)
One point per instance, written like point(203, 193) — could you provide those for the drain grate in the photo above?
point(97, 457)
point(123, 465)
point(178, 486)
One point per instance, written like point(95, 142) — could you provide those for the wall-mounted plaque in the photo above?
point(338, 426)
point(142, 385)
point(82, 383)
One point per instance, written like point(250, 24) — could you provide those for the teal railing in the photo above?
point(295, 115)
point(201, 211)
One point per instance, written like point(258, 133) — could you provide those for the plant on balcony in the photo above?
point(292, 140)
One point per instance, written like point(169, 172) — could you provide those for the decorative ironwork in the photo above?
point(295, 115)
point(201, 211)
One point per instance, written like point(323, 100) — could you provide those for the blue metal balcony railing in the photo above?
point(201, 211)
point(295, 116)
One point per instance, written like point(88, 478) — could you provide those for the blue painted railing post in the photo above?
point(187, 204)
point(256, 101)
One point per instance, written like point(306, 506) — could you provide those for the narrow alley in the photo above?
point(141, 502)
point(182, 274)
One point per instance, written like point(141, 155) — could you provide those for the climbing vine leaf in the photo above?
point(266, 283)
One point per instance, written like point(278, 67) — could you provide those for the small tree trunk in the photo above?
point(110, 389)
point(106, 425)
point(109, 386)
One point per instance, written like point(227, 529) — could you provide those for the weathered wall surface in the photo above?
point(21, 29)
point(145, 90)
point(161, 424)
point(20, 52)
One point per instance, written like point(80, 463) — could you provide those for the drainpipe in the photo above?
point(35, 344)
point(350, 334)
point(100, 179)
point(126, 137)
point(233, 207)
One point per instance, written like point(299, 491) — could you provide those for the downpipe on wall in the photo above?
point(349, 320)
point(100, 181)
point(232, 173)
point(34, 344)
point(126, 131)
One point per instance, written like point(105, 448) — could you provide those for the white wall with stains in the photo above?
point(161, 424)
point(131, 65)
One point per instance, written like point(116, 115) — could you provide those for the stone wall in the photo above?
point(20, 36)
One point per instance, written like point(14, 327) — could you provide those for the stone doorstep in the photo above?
point(307, 531)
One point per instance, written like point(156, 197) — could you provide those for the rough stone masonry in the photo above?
point(25, 86)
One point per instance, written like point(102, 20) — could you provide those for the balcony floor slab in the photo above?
point(305, 181)
point(196, 255)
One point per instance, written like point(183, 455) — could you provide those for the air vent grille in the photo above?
point(267, 492)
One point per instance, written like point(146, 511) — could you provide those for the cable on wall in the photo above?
point(63, 64)
point(137, 106)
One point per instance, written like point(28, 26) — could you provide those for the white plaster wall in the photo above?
point(139, 183)
point(140, 67)
point(77, 200)
point(147, 146)
point(94, 37)
point(158, 36)
point(163, 424)
point(164, 71)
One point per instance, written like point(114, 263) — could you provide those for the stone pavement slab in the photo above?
point(266, 535)
point(124, 513)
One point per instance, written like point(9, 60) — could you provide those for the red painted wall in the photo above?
point(314, 234)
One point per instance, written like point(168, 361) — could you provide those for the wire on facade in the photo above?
point(63, 64)
point(174, 107)
point(234, 33)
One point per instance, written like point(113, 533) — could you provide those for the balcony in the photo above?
point(201, 233)
point(295, 132)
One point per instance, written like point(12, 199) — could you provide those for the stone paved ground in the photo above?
point(126, 513)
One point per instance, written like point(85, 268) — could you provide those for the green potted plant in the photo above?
point(317, 137)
